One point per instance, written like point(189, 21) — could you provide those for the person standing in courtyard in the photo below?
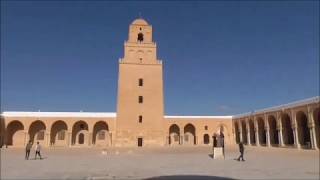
point(28, 148)
point(38, 149)
point(241, 149)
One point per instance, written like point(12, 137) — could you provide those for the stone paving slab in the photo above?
point(160, 163)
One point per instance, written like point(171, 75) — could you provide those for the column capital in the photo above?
point(311, 125)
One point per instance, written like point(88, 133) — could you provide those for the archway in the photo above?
point(58, 133)
point(244, 132)
point(262, 132)
point(101, 134)
point(15, 134)
point(273, 133)
point(37, 132)
point(316, 118)
point(206, 139)
point(252, 132)
point(303, 130)
point(79, 131)
point(237, 132)
point(189, 134)
point(287, 129)
point(174, 134)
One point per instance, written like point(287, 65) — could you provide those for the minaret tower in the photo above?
point(140, 108)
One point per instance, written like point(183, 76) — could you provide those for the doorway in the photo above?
point(81, 138)
point(140, 142)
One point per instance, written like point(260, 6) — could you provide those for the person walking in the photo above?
point(38, 149)
point(28, 148)
point(241, 149)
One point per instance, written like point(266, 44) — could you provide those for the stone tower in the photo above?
point(140, 105)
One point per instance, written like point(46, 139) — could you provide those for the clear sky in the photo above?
point(220, 58)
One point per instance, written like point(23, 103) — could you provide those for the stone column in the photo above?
point(311, 125)
point(196, 137)
point(267, 129)
point(26, 138)
point(248, 132)
point(240, 131)
point(110, 138)
point(47, 137)
point(295, 130)
point(280, 130)
point(311, 130)
point(69, 139)
point(90, 139)
point(295, 137)
point(181, 133)
point(268, 136)
point(257, 132)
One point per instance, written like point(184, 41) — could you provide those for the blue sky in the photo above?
point(220, 58)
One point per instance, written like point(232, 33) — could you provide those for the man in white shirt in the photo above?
point(38, 149)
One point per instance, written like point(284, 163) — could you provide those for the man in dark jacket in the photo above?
point(241, 149)
point(28, 148)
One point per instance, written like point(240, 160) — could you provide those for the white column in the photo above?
point(196, 140)
point(295, 130)
point(296, 140)
point(257, 132)
point(181, 138)
point(69, 139)
point(311, 130)
point(268, 136)
point(90, 139)
point(47, 136)
point(26, 138)
point(280, 129)
point(267, 129)
point(311, 125)
point(248, 132)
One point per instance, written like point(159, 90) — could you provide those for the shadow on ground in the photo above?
point(188, 177)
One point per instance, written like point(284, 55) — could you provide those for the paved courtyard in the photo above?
point(160, 163)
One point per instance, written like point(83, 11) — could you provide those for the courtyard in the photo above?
point(160, 163)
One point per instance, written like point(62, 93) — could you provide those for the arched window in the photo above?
point(140, 37)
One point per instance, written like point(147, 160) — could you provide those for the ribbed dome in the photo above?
point(140, 22)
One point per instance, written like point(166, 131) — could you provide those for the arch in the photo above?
point(15, 134)
point(237, 132)
point(174, 134)
point(206, 139)
point(37, 131)
point(316, 118)
point(303, 130)
point(252, 132)
point(273, 133)
point(287, 129)
point(140, 37)
point(79, 129)
point(101, 134)
point(261, 131)
point(244, 132)
point(58, 133)
point(189, 134)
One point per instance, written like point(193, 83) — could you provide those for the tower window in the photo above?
point(140, 119)
point(140, 99)
point(205, 127)
point(140, 37)
point(140, 82)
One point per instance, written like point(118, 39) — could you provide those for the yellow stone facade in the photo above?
point(140, 118)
